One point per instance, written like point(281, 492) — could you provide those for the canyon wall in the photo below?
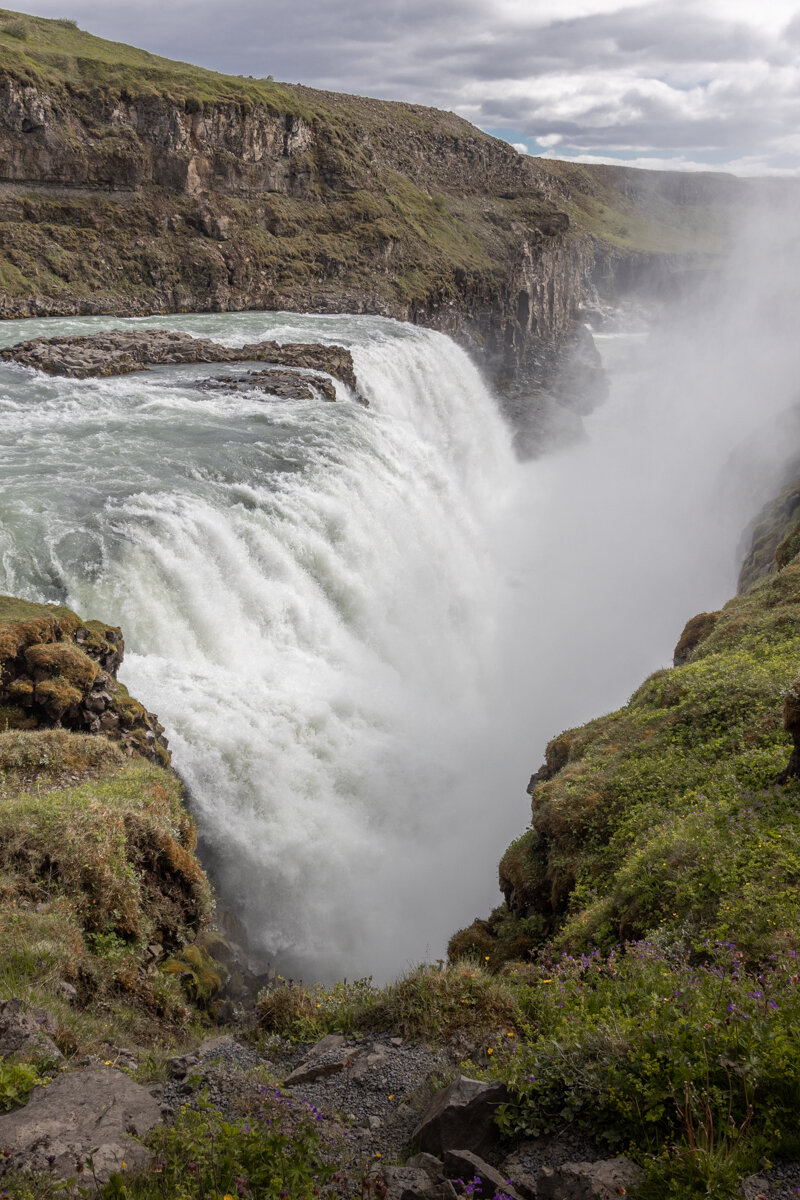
point(129, 184)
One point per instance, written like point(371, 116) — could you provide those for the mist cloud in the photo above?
point(707, 82)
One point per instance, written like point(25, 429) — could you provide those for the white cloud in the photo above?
point(751, 166)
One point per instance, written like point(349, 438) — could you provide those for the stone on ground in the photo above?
point(80, 1115)
point(603, 1180)
point(25, 1030)
point(463, 1164)
point(461, 1115)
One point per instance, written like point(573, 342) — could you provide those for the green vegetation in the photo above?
point(96, 845)
point(17, 1081)
point(688, 1061)
point(274, 1151)
point(430, 1003)
point(663, 818)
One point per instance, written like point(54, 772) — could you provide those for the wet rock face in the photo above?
point(774, 535)
point(122, 352)
point(60, 672)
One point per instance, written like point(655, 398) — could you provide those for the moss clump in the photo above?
point(58, 670)
point(695, 631)
point(58, 698)
point(198, 973)
point(68, 662)
point(16, 636)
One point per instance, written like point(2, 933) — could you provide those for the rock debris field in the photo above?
point(389, 1114)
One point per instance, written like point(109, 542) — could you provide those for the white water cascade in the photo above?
point(310, 597)
point(360, 626)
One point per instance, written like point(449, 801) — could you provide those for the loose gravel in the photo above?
point(371, 1103)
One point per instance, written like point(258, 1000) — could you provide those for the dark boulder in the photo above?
point(461, 1115)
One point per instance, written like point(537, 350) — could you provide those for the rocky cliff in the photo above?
point(132, 184)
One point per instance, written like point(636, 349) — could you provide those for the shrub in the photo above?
point(17, 29)
point(437, 1002)
point(17, 1081)
point(197, 972)
point(305, 1014)
point(276, 1152)
point(649, 1047)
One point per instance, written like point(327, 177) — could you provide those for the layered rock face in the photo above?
point(153, 186)
point(207, 182)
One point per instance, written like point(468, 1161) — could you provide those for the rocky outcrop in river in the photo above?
point(122, 352)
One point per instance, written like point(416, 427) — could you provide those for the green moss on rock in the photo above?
point(72, 664)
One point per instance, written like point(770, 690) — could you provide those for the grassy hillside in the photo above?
point(56, 53)
point(664, 819)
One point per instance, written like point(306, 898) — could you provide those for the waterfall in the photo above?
point(310, 595)
point(361, 626)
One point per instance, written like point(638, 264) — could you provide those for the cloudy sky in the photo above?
point(679, 83)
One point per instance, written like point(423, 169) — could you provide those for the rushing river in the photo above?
point(359, 626)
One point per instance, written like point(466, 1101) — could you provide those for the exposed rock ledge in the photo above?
point(123, 351)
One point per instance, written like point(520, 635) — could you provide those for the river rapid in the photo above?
point(360, 626)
